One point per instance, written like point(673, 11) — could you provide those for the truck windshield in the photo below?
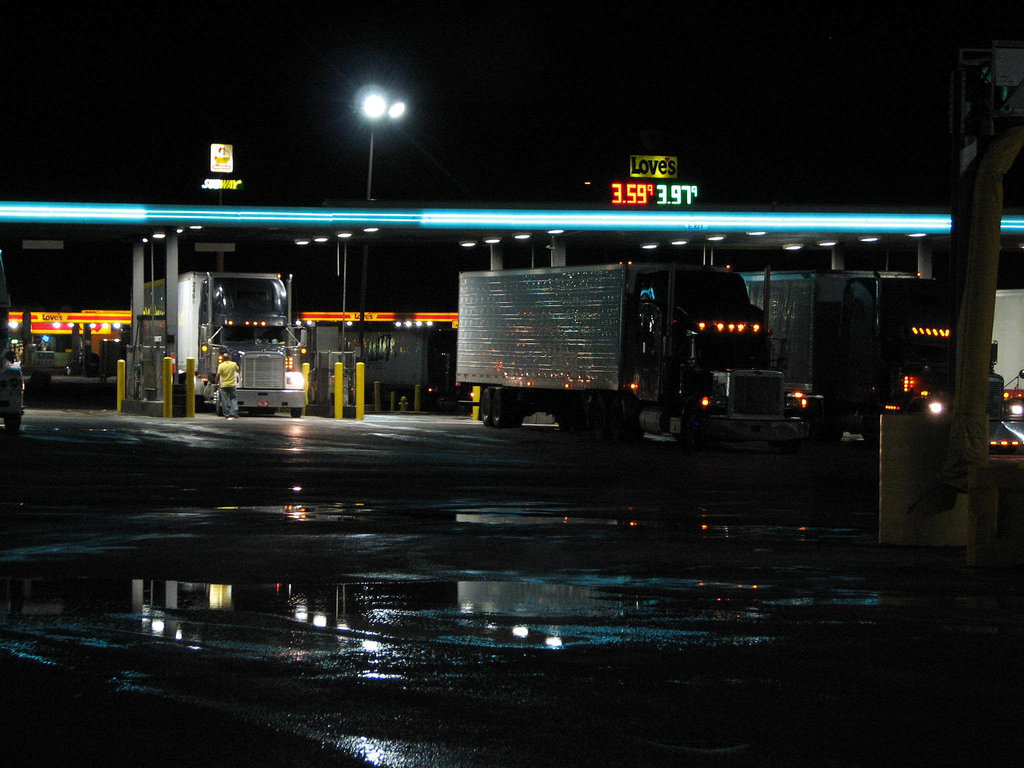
point(248, 298)
point(240, 335)
point(915, 313)
point(703, 299)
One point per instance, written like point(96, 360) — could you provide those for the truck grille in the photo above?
point(994, 398)
point(756, 393)
point(262, 371)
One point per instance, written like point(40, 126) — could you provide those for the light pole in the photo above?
point(375, 106)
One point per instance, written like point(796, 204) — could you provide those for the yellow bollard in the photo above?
point(305, 387)
point(360, 391)
point(122, 368)
point(475, 397)
point(190, 387)
point(394, 400)
point(417, 398)
point(168, 372)
point(376, 397)
point(339, 390)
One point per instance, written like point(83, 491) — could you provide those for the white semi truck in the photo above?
point(12, 384)
point(248, 315)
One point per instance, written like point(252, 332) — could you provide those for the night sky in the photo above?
point(763, 102)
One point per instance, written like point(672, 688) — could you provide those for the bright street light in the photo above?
point(375, 106)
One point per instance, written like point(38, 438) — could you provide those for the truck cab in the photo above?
point(245, 314)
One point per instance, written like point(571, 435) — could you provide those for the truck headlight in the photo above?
point(294, 380)
point(936, 407)
point(1017, 409)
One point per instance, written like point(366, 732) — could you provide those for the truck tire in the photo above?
point(487, 406)
point(505, 411)
point(295, 413)
point(624, 419)
point(690, 437)
point(12, 423)
point(597, 417)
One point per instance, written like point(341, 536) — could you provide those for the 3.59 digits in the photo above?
point(631, 193)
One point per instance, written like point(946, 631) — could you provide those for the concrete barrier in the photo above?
point(996, 533)
point(914, 509)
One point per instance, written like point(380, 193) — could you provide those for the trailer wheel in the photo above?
point(295, 413)
point(597, 417)
point(505, 412)
point(12, 423)
point(624, 419)
point(487, 406)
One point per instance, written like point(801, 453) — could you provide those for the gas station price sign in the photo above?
point(641, 193)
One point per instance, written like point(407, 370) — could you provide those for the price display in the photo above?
point(643, 192)
point(632, 192)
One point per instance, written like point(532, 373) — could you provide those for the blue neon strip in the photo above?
point(494, 219)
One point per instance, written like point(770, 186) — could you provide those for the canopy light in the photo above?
point(514, 219)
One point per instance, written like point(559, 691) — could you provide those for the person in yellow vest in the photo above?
point(227, 380)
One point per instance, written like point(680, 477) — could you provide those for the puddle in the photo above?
point(691, 524)
point(371, 616)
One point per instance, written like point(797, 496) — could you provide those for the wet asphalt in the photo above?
point(417, 590)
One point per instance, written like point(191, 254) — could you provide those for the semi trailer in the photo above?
point(623, 350)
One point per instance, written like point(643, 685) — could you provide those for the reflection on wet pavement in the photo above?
point(364, 666)
point(693, 524)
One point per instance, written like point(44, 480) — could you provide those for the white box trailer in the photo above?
point(1008, 334)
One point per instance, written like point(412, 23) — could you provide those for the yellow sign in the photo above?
point(653, 166)
point(222, 158)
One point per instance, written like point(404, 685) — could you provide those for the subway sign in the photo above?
point(653, 167)
point(222, 184)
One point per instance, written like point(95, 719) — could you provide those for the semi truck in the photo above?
point(855, 343)
point(12, 384)
point(247, 315)
point(622, 350)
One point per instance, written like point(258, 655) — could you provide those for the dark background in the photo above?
point(764, 103)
